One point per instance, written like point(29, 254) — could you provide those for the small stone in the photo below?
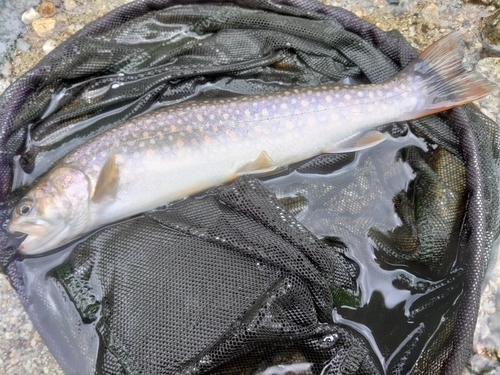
point(22, 46)
point(6, 71)
point(30, 15)
point(3, 85)
point(430, 14)
point(69, 5)
point(44, 27)
point(48, 46)
point(47, 9)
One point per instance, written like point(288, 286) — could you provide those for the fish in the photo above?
point(187, 148)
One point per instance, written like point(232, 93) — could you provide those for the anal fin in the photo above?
point(263, 164)
point(357, 142)
point(107, 182)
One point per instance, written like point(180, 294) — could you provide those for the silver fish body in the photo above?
point(184, 149)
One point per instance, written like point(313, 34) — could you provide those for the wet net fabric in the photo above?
point(288, 270)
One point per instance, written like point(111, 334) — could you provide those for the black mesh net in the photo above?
point(360, 263)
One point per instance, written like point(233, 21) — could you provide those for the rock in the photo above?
point(491, 36)
point(47, 9)
point(48, 46)
point(69, 5)
point(430, 14)
point(29, 16)
point(44, 27)
point(22, 46)
point(3, 85)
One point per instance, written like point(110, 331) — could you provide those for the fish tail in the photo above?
point(441, 78)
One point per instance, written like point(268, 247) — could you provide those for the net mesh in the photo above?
point(287, 270)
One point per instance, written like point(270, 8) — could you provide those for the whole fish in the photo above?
point(187, 148)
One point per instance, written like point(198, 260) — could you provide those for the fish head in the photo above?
point(55, 210)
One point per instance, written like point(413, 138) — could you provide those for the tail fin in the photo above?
point(444, 82)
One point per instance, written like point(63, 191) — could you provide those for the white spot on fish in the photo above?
point(145, 135)
point(199, 117)
point(284, 106)
point(304, 103)
point(371, 95)
point(170, 137)
point(152, 141)
point(328, 98)
point(334, 117)
point(347, 97)
point(265, 112)
point(141, 144)
point(360, 94)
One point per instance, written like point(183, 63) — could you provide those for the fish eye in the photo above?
point(24, 207)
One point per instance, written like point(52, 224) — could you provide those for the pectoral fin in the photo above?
point(263, 164)
point(358, 142)
point(107, 182)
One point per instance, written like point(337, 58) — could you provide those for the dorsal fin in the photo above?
point(107, 182)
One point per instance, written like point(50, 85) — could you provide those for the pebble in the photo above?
point(430, 14)
point(3, 85)
point(47, 9)
point(6, 70)
point(48, 46)
point(22, 46)
point(29, 16)
point(44, 27)
point(69, 5)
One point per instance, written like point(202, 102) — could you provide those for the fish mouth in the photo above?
point(40, 236)
point(34, 229)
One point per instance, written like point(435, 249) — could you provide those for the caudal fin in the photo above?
point(443, 80)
